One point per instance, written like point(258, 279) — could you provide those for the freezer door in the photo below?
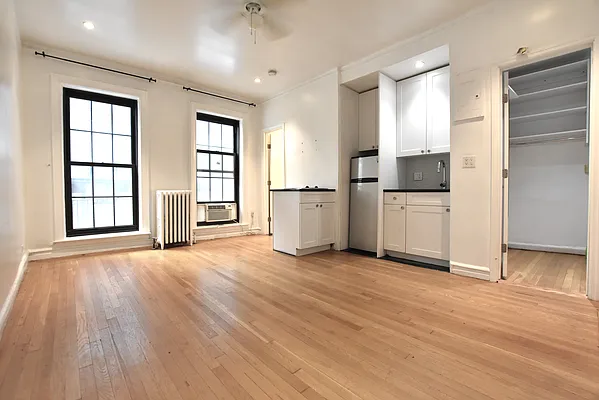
point(363, 216)
point(365, 167)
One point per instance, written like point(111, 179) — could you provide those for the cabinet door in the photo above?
point(368, 120)
point(308, 226)
point(326, 224)
point(411, 116)
point(427, 231)
point(394, 236)
point(438, 111)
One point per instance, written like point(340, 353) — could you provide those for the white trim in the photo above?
point(549, 249)
point(58, 82)
point(471, 271)
point(593, 234)
point(265, 169)
point(14, 290)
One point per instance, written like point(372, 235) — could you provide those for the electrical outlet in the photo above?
point(417, 176)
point(469, 162)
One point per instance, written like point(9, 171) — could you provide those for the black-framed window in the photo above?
point(217, 159)
point(100, 163)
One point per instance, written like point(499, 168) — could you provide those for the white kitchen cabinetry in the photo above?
point(304, 222)
point(423, 114)
point(368, 120)
point(427, 231)
point(395, 228)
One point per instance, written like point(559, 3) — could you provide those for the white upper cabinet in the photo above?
point(411, 116)
point(438, 112)
point(369, 120)
point(423, 114)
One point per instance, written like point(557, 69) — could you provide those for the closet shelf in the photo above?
point(559, 70)
point(550, 114)
point(578, 134)
point(543, 94)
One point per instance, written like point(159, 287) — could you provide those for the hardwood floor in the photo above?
point(231, 319)
point(566, 273)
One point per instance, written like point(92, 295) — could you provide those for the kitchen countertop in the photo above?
point(416, 190)
point(303, 190)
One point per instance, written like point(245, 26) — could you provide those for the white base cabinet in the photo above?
point(417, 224)
point(304, 222)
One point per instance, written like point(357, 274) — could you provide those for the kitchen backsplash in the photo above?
point(427, 165)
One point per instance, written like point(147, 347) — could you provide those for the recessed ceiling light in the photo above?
point(88, 25)
point(419, 64)
point(257, 80)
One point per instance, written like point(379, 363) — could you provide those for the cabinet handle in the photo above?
point(429, 151)
point(447, 210)
point(403, 208)
point(373, 147)
point(422, 151)
point(394, 198)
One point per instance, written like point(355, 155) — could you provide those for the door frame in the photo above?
point(497, 155)
point(265, 167)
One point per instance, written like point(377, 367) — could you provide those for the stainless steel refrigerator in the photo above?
point(363, 203)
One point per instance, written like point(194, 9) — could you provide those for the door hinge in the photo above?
point(269, 219)
point(268, 146)
point(506, 98)
point(504, 248)
point(269, 183)
point(505, 174)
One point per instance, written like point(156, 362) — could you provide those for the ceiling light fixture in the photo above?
point(257, 80)
point(419, 64)
point(272, 72)
point(88, 25)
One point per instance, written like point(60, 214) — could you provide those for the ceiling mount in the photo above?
point(253, 8)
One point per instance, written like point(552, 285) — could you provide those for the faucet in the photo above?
point(441, 168)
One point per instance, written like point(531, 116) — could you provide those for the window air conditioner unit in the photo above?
point(221, 212)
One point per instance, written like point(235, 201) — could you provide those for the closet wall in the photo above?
point(548, 182)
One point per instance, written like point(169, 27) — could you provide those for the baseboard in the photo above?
point(223, 232)
point(549, 249)
point(12, 294)
point(471, 271)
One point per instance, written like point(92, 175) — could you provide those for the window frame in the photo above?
point(236, 129)
point(67, 94)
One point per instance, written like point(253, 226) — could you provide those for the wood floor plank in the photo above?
point(231, 319)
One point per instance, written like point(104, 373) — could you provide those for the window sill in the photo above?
point(105, 236)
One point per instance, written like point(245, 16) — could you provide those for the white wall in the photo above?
point(484, 40)
point(168, 130)
point(348, 148)
point(311, 117)
point(11, 194)
point(548, 196)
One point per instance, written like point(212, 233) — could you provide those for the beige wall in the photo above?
point(11, 210)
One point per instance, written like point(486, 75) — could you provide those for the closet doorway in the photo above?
point(546, 185)
point(274, 143)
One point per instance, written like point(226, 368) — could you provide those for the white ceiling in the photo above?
point(175, 37)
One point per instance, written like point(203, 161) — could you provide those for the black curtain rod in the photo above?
point(145, 78)
point(219, 96)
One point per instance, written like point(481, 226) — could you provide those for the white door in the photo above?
point(438, 111)
point(326, 224)
point(411, 116)
point(308, 226)
point(505, 180)
point(368, 120)
point(394, 236)
point(427, 231)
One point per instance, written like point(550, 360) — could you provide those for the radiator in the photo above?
point(173, 217)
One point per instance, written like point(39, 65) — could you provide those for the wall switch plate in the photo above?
point(417, 176)
point(469, 162)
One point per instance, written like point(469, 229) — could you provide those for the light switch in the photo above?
point(417, 176)
point(469, 162)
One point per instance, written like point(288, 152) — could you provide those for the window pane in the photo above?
point(202, 135)
point(228, 163)
point(104, 212)
point(228, 175)
point(228, 190)
point(102, 181)
point(122, 149)
point(216, 189)
point(82, 214)
point(80, 114)
point(216, 162)
point(203, 189)
point(123, 207)
point(203, 174)
point(203, 161)
point(121, 120)
point(81, 181)
point(215, 140)
point(227, 138)
point(102, 148)
point(123, 182)
point(81, 146)
point(101, 117)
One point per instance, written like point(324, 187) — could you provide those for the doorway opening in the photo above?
point(274, 152)
point(546, 185)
